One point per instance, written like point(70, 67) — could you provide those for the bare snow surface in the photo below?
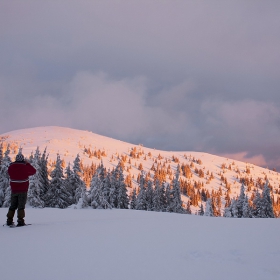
point(129, 244)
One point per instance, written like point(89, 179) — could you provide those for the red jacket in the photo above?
point(19, 173)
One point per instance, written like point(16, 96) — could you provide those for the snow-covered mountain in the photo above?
point(208, 172)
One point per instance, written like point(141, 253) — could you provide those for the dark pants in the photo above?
point(18, 201)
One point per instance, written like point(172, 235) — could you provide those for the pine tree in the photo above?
point(150, 196)
point(107, 187)
point(36, 183)
point(57, 195)
point(44, 174)
point(176, 191)
point(141, 202)
point(240, 202)
point(188, 210)
point(133, 199)
point(247, 213)
point(75, 185)
point(162, 193)
point(5, 189)
point(169, 198)
point(1, 153)
point(201, 210)
point(98, 193)
point(121, 188)
point(113, 194)
point(156, 198)
point(209, 209)
point(257, 206)
point(267, 203)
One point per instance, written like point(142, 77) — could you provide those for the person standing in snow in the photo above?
point(19, 172)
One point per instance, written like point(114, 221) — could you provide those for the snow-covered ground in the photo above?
point(129, 244)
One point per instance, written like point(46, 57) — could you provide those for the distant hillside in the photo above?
point(201, 173)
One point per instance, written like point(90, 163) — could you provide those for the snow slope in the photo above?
point(128, 244)
point(70, 142)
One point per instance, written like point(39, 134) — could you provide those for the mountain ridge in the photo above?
point(211, 172)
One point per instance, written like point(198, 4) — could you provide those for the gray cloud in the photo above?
point(195, 75)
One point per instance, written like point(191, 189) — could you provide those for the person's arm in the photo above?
point(30, 169)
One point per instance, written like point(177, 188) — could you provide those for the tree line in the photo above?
point(102, 189)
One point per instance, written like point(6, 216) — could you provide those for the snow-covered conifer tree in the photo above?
point(5, 189)
point(156, 198)
point(240, 202)
point(1, 153)
point(107, 187)
point(150, 196)
point(133, 199)
point(188, 210)
point(141, 202)
point(74, 184)
point(257, 206)
point(267, 203)
point(122, 197)
point(162, 191)
point(176, 190)
point(209, 209)
point(96, 192)
point(169, 198)
point(57, 195)
point(44, 174)
point(201, 210)
point(36, 183)
point(113, 194)
point(228, 210)
point(247, 213)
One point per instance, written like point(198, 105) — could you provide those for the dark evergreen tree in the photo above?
point(44, 174)
point(176, 193)
point(201, 210)
point(240, 202)
point(267, 203)
point(5, 189)
point(257, 206)
point(113, 194)
point(35, 189)
point(150, 196)
point(1, 153)
point(163, 202)
point(156, 198)
point(122, 197)
point(169, 198)
point(98, 192)
point(141, 202)
point(73, 182)
point(247, 213)
point(188, 210)
point(57, 195)
point(133, 199)
point(209, 209)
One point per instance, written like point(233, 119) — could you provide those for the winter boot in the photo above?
point(21, 215)
point(10, 217)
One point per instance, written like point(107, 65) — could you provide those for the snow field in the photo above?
point(129, 244)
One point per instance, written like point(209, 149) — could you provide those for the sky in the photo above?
point(171, 75)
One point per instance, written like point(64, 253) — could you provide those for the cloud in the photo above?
point(173, 75)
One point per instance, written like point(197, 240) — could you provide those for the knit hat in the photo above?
point(19, 157)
